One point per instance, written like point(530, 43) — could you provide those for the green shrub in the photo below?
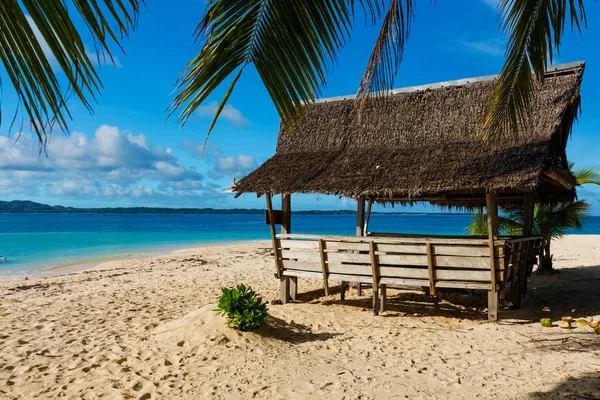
point(243, 308)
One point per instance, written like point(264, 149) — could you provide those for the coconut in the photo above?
point(567, 319)
point(546, 322)
point(594, 325)
point(581, 322)
point(565, 324)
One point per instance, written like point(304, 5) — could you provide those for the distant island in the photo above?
point(26, 206)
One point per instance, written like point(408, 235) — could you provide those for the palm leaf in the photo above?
point(389, 48)
point(536, 28)
point(28, 67)
point(587, 175)
point(291, 44)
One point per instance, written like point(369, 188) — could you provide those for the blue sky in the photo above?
point(128, 154)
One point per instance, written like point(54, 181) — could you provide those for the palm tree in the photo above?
point(550, 221)
point(290, 43)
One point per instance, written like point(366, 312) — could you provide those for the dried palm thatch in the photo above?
point(427, 145)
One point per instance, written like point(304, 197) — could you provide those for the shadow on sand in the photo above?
point(569, 291)
point(291, 332)
point(581, 387)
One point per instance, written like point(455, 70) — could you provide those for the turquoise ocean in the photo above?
point(32, 243)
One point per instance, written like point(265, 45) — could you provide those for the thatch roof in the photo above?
point(426, 142)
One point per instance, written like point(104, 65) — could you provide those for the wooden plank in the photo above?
point(350, 278)
point(299, 244)
point(391, 240)
point(274, 237)
point(399, 272)
point(417, 283)
point(463, 262)
point(301, 255)
point(462, 275)
point(406, 248)
point(303, 274)
point(463, 285)
point(302, 265)
point(403, 259)
point(324, 266)
point(276, 217)
point(369, 206)
point(349, 269)
point(294, 288)
point(338, 245)
point(431, 268)
point(348, 257)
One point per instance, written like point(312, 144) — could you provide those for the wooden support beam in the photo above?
point(528, 210)
point(284, 289)
point(375, 272)
point(492, 219)
point(294, 288)
point(431, 268)
point(286, 228)
point(382, 298)
point(274, 239)
point(366, 227)
point(324, 266)
point(286, 213)
point(360, 217)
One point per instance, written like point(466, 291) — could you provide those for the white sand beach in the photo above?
point(145, 329)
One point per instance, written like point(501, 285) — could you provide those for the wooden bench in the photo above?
point(432, 262)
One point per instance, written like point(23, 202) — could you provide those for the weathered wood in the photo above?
point(382, 297)
point(294, 288)
point(493, 305)
point(274, 239)
point(492, 219)
point(403, 259)
point(324, 266)
point(417, 283)
point(350, 278)
point(277, 216)
point(462, 285)
point(284, 289)
point(299, 244)
point(348, 257)
point(360, 217)
point(393, 240)
point(302, 265)
point(375, 273)
point(431, 268)
point(528, 209)
point(286, 213)
point(463, 262)
point(343, 286)
point(353, 269)
point(463, 275)
point(368, 219)
point(303, 274)
point(301, 255)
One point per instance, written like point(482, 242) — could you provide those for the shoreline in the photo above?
point(110, 261)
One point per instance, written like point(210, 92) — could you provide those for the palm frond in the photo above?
point(536, 28)
point(509, 224)
point(587, 175)
point(290, 43)
point(553, 221)
point(387, 55)
point(28, 64)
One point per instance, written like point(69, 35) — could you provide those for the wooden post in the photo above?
point(360, 217)
point(382, 297)
point(324, 266)
point(285, 280)
point(286, 228)
point(528, 209)
point(366, 226)
point(491, 200)
point(375, 273)
point(360, 231)
point(431, 269)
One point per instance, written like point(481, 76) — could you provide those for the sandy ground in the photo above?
point(145, 329)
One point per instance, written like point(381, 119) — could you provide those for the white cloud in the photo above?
point(234, 167)
point(112, 163)
point(197, 150)
point(230, 113)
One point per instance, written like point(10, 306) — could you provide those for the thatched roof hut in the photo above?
point(425, 144)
